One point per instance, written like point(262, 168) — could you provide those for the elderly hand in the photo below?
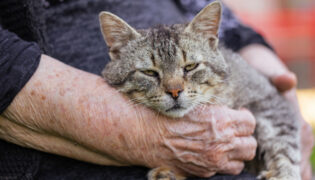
point(265, 61)
point(210, 140)
point(72, 113)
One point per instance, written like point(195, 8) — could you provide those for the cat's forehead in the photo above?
point(165, 33)
point(168, 42)
point(165, 47)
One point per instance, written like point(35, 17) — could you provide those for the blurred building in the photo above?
point(289, 25)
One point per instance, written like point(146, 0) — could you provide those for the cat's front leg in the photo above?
point(280, 169)
point(279, 147)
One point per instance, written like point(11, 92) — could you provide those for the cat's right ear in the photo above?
point(116, 32)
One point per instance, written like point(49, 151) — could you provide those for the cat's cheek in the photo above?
point(126, 88)
point(137, 97)
point(205, 89)
point(200, 76)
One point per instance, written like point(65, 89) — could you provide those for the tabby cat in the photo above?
point(172, 69)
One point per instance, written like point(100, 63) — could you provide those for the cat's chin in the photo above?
point(176, 113)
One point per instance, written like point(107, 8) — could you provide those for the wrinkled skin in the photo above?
point(72, 113)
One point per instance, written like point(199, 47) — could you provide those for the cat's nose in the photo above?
point(174, 86)
point(174, 93)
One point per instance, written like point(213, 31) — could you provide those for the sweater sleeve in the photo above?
point(236, 35)
point(233, 33)
point(18, 61)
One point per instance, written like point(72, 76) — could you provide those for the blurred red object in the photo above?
point(290, 31)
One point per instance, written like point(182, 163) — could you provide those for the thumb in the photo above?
point(284, 81)
point(268, 63)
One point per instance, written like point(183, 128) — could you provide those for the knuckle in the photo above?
point(215, 158)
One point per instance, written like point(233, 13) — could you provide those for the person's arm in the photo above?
point(66, 111)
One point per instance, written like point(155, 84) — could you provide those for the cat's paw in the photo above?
point(283, 178)
point(273, 175)
point(162, 173)
point(265, 175)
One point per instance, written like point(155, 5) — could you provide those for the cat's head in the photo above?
point(169, 69)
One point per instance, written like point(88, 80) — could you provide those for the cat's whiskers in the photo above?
point(120, 90)
point(157, 112)
point(204, 101)
point(135, 101)
point(131, 102)
point(218, 100)
point(213, 99)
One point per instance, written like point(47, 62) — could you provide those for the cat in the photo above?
point(172, 69)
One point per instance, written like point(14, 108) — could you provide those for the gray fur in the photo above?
point(221, 77)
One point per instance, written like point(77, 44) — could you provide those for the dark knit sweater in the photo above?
point(69, 31)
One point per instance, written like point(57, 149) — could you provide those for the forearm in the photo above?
point(54, 108)
point(26, 137)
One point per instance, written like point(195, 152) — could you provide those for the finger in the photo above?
point(272, 67)
point(243, 122)
point(285, 81)
point(189, 169)
point(244, 149)
point(306, 172)
point(307, 139)
point(232, 167)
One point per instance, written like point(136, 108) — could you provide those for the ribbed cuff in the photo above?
point(241, 36)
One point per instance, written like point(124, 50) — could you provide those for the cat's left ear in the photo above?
point(116, 31)
point(206, 23)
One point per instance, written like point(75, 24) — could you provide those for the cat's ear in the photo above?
point(116, 31)
point(207, 22)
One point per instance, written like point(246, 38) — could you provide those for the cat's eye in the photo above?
point(191, 67)
point(150, 73)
